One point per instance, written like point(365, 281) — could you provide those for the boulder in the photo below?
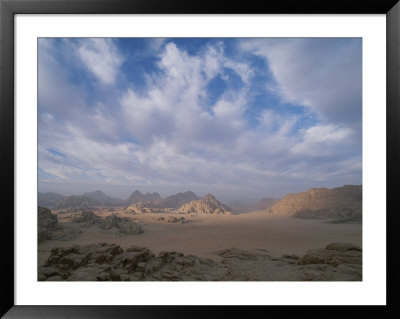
point(128, 227)
point(331, 256)
point(87, 218)
point(342, 247)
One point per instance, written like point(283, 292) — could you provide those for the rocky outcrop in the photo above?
point(333, 254)
point(172, 220)
point(143, 208)
point(124, 225)
point(207, 205)
point(99, 262)
point(175, 201)
point(50, 229)
point(86, 218)
point(341, 203)
point(47, 223)
point(137, 197)
point(337, 261)
point(77, 202)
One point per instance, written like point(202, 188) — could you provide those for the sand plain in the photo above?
point(203, 234)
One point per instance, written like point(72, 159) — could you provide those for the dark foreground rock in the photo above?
point(50, 229)
point(105, 262)
point(47, 222)
point(172, 220)
point(124, 225)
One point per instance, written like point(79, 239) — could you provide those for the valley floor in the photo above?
point(202, 235)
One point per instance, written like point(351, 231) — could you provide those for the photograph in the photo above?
point(199, 159)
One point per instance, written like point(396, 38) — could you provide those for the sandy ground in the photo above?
point(203, 234)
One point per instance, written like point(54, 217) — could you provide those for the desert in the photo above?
point(214, 242)
point(200, 159)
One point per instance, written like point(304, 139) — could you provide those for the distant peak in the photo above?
point(209, 198)
point(137, 192)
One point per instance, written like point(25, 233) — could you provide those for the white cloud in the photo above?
point(101, 57)
point(167, 136)
point(323, 74)
point(323, 140)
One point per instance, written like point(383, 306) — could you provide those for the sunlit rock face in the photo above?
point(207, 205)
point(341, 203)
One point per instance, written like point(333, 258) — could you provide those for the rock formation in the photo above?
point(99, 262)
point(341, 203)
point(207, 205)
point(47, 222)
point(172, 220)
point(137, 197)
point(49, 228)
point(124, 225)
point(143, 208)
point(86, 218)
point(175, 201)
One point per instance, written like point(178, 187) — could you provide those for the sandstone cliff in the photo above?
point(341, 203)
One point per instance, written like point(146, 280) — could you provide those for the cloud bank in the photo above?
point(246, 118)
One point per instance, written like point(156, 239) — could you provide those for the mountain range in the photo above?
point(340, 204)
point(98, 199)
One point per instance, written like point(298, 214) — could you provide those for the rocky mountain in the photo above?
point(49, 199)
point(207, 205)
point(341, 204)
point(175, 201)
point(79, 202)
point(104, 199)
point(137, 197)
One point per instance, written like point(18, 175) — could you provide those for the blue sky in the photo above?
point(243, 118)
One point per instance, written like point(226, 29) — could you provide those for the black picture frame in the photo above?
point(8, 8)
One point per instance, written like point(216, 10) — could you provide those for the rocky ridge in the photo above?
point(99, 262)
point(207, 205)
point(112, 222)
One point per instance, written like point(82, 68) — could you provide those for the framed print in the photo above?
point(167, 154)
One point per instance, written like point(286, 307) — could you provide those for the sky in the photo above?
point(241, 118)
